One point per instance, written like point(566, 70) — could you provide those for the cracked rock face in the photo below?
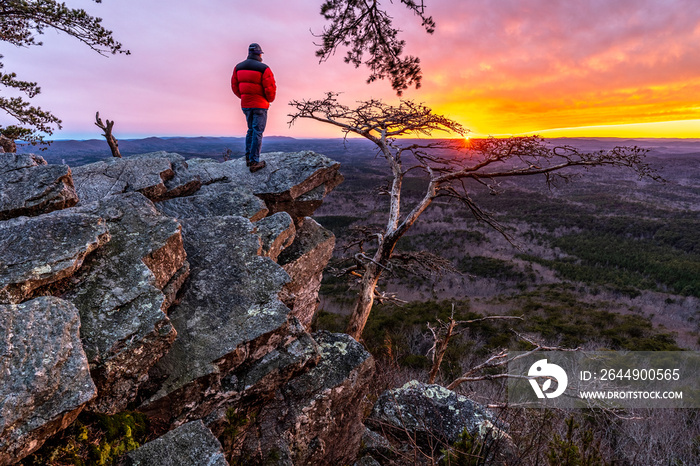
point(216, 199)
point(120, 296)
point(316, 418)
point(156, 175)
point(242, 389)
point(229, 313)
point(31, 187)
point(430, 414)
point(38, 251)
point(44, 376)
point(304, 261)
point(189, 444)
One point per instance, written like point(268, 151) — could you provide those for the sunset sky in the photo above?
point(622, 68)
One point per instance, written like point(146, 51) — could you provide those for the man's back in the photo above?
point(254, 83)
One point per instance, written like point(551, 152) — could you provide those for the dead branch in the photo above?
point(502, 359)
point(111, 140)
point(443, 333)
point(382, 296)
point(422, 263)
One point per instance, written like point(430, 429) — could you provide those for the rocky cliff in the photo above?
point(185, 290)
point(182, 289)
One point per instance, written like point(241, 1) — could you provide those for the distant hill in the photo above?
point(657, 146)
point(76, 153)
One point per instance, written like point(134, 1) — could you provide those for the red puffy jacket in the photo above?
point(254, 83)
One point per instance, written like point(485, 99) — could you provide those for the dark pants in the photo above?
point(256, 119)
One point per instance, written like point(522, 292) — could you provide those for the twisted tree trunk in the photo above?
point(111, 140)
point(365, 300)
point(7, 145)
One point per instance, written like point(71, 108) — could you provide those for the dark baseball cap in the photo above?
point(255, 48)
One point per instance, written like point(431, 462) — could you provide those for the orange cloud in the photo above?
point(531, 65)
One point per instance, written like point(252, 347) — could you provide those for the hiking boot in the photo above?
point(257, 166)
point(248, 163)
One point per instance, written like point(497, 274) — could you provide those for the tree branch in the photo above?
point(363, 27)
point(502, 359)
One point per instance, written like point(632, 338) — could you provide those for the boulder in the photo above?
point(228, 316)
point(31, 187)
point(430, 415)
point(294, 182)
point(156, 175)
point(304, 261)
point(189, 445)
point(39, 251)
point(120, 296)
point(316, 418)
point(289, 175)
point(44, 376)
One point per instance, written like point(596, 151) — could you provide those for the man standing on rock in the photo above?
point(254, 83)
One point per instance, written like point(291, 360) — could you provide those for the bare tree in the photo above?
point(453, 169)
point(364, 27)
point(111, 140)
point(443, 332)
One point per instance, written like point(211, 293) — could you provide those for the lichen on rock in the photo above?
point(429, 414)
point(189, 444)
point(44, 376)
point(120, 298)
point(38, 251)
point(316, 417)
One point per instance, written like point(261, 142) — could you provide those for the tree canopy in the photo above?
point(21, 22)
point(368, 32)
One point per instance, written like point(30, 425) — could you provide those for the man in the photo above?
point(254, 83)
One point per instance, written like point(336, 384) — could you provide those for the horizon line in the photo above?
point(360, 138)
